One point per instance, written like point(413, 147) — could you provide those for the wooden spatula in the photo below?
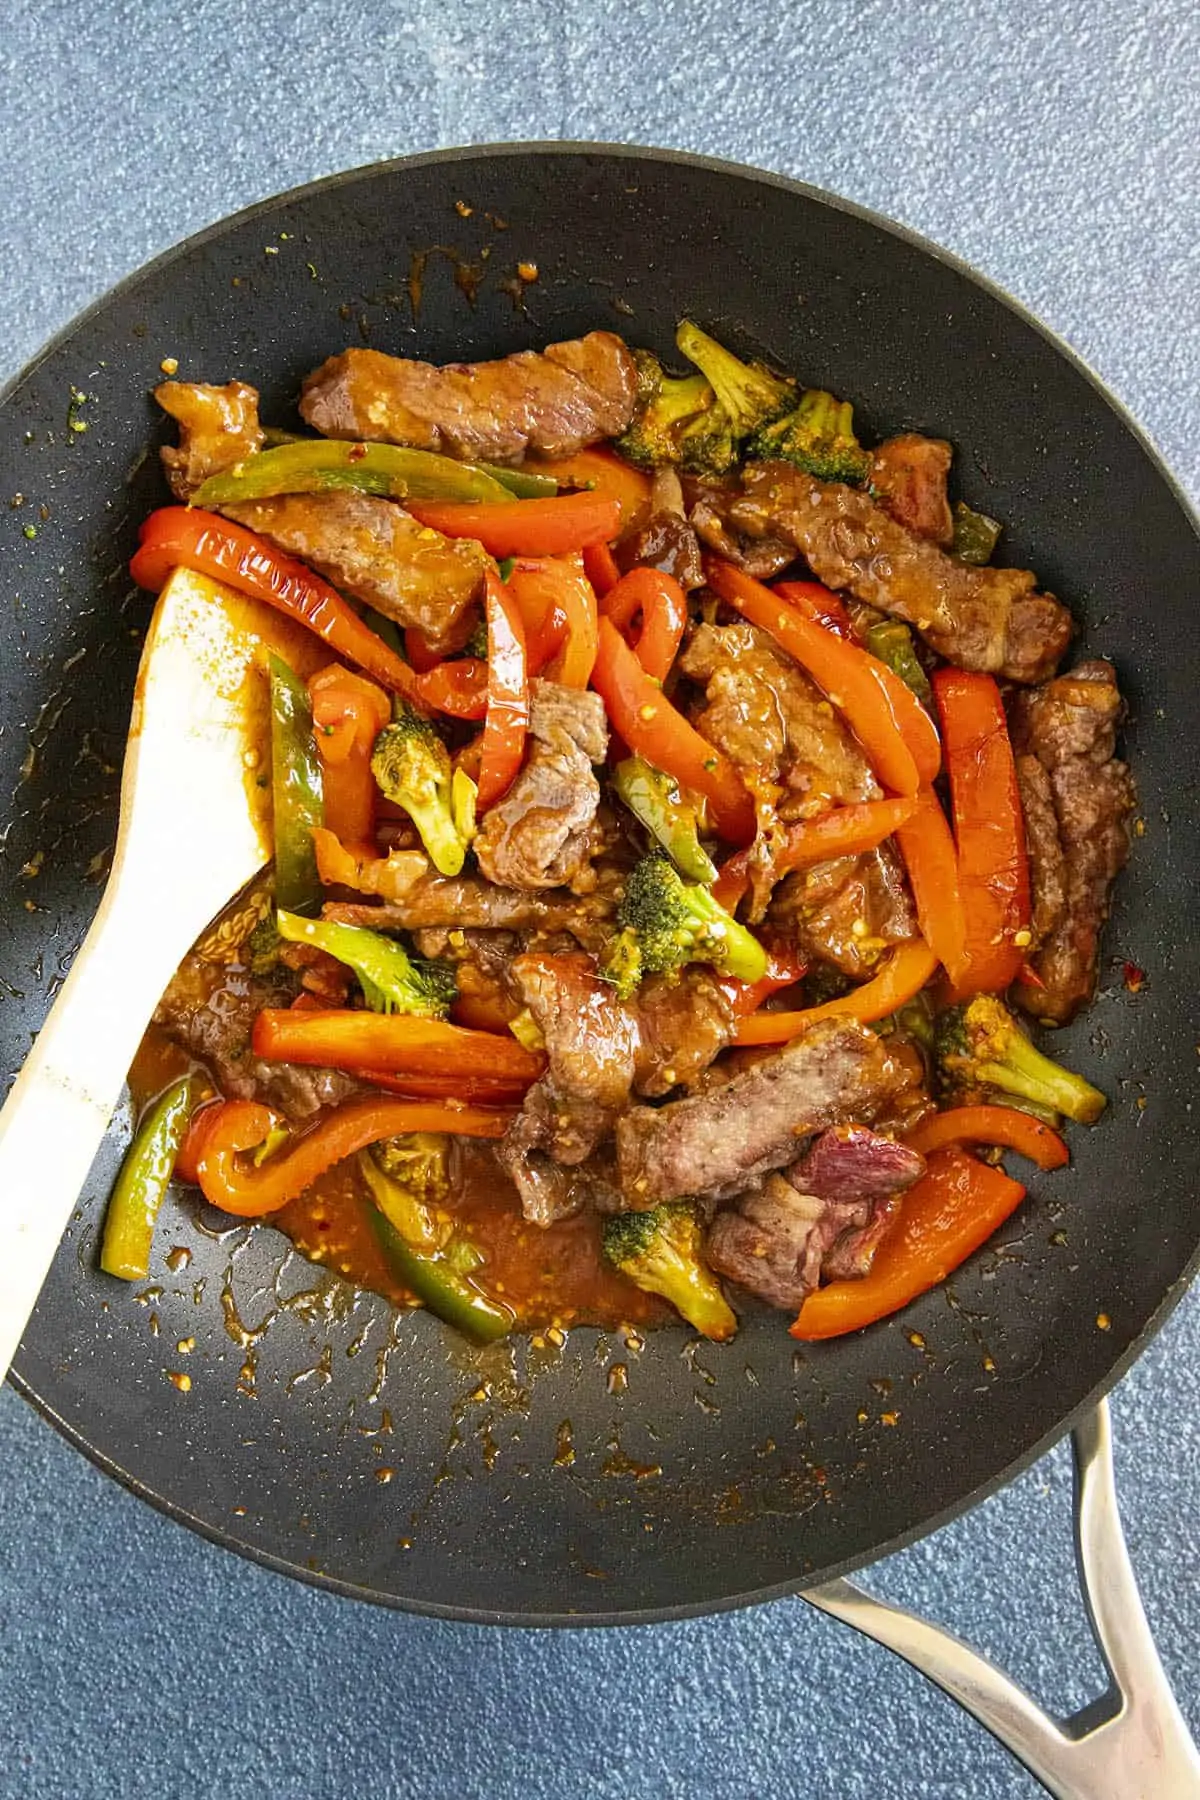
point(195, 826)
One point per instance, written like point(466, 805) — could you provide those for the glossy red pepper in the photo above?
point(226, 1130)
point(348, 713)
point(662, 604)
point(955, 1207)
point(904, 973)
point(1004, 1125)
point(502, 741)
point(526, 527)
point(390, 1044)
point(644, 718)
point(989, 830)
point(181, 537)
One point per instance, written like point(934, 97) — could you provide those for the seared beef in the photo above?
point(1047, 865)
point(537, 835)
point(429, 901)
point(908, 476)
point(1068, 729)
point(720, 1143)
point(709, 504)
point(848, 911)
point(682, 1026)
point(825, 1217)
point(554, 402)
point(213, 1021)
point(989, 619)
point(599, 1048)
point(771, 720)
point(591, 1037)
point(665, 541)
point(376, 552)
point(542, 1159)
point(218, 428)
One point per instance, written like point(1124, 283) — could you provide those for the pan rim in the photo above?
point(1169, 1300)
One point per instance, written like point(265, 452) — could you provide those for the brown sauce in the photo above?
point(551, 1277)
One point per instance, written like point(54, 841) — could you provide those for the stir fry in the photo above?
point(674, 858)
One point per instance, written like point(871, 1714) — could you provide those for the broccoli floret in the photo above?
point(817, 437)
point(661, 1252)
point(477, 643)
point(748, 394)
point(262, 947)
point(979, 1045)
point(391, 979)
point(412, 766)
point(709, 445)
point(665, 405)
point(664, 922)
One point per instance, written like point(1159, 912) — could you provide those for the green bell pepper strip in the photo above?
point(524, 483)
point(975, 535)
point(142, 1182)
point(892, 643)
point(655, 799)
point(317, 465)
point(438, 1274)
point(296, 792)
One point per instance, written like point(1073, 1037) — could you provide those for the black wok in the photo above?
point(377, 1454)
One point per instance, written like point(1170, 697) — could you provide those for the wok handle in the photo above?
point(1130, 1744)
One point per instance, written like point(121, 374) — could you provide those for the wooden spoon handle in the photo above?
point(62, 1101)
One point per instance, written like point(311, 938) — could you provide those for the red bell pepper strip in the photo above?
point(181, 537)
point(458, 688)
point(238, 1125)
point(454, 1089)
point(784, 970)
point(843, 670)
point(917, 728)
point(418, 651)
point(1005, 1125)
point(663, 606)
point(348, 713)
point(819, 604)
point(845, 831)
point(989, 829)
point(955, 1207)
point(904, 974)
point(502, 741)
point(390, 1043)
point(526, 527)
point(600, 567)
point(558, 604)
point(603, 473)
point(642, 715)
point(932, 862)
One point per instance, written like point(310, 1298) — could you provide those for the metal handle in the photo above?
point(1130, 1744)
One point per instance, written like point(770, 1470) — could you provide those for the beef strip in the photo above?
point(1080, 842)
point(218, 428)
point(1047, 865)
point(665, 541)
point(538, 835)
point(848, 911)
point(824, 1217)
point(774, 723)
point(722, 1142)
point(377, 553)
point(213, 1023)
point(908, 477)
point(682, 1025)
point(709, 504)
point(430, 902)
point(771, 720)
point(979, 618)
point(555, 402)
point(599, 1048)
point(591, 1039)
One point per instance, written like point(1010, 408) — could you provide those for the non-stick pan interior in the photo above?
point(607, 1477)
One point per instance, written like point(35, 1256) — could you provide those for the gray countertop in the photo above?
point(1054, 146)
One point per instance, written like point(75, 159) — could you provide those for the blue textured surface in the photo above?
point(1053, 146)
